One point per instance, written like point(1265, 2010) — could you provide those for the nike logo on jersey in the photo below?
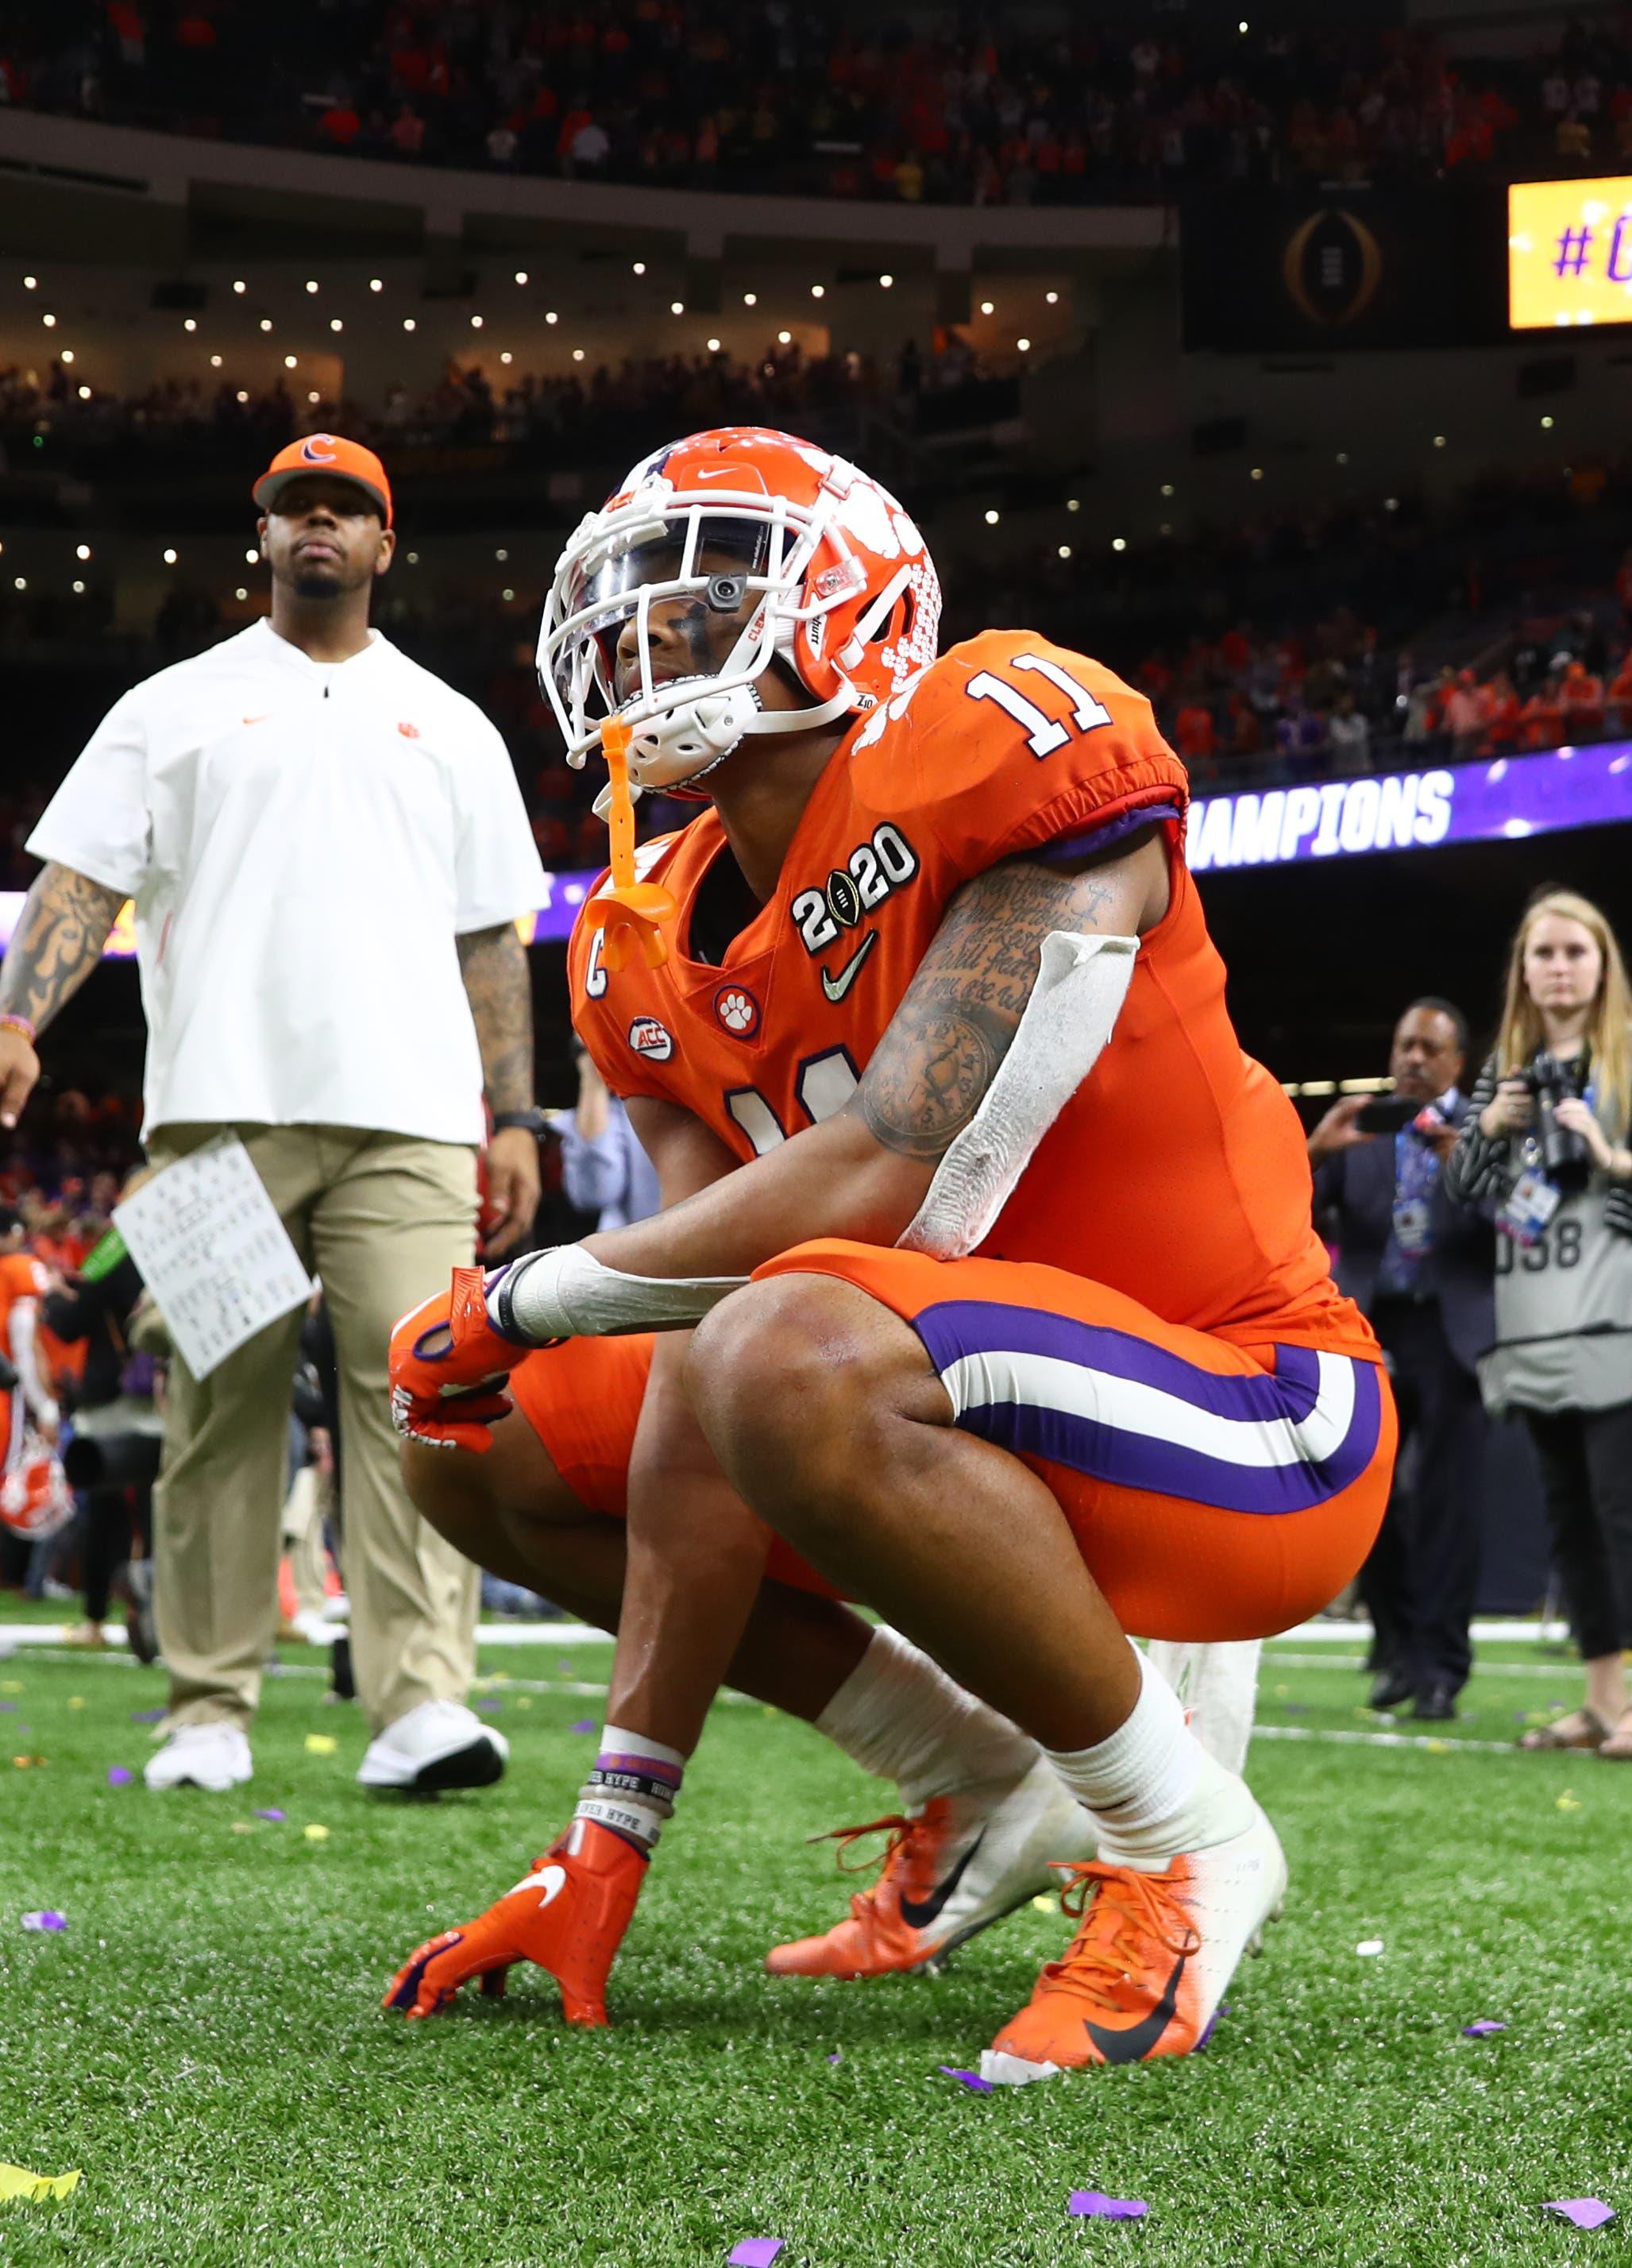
point(549, 1882)
point(1134, 2041)
point(918, 1913)
point(836, 987)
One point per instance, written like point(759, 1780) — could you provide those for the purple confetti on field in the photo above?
point(8, 1705)
point(837, 2056)
point(970, 2079)
point(1586, 2213)
point(563, 1665)
point(147, 1716)
point(273, 1814)
point(1482, 2030)
point(756, 2251)
point(1296, 1708)
point(118, 1777)
point(1093, 2205)
point(48, 1920)
point(488, 1708)
point(587, 1725)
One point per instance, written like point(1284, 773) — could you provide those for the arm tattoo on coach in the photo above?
point(959, 1016)
point(58, 941)
point(494, 967)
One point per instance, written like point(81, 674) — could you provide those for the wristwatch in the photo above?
point(533, 1120)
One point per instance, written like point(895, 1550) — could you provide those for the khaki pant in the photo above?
point(381, 1219)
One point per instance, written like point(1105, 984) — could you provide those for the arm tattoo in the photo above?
point(58, 941)
point(959, 1014)
point(495, 969)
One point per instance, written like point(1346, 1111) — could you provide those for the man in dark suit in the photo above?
point(1422, 1270)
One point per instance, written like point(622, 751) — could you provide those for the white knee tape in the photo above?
point(1081, 984)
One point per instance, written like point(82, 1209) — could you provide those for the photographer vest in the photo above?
point(1563, 1313)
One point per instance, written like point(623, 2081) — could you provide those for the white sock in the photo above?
point(1152, 1788)
point(632, 1787)
point(899, 1715)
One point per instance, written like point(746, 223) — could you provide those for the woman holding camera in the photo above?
point(1544, 1143)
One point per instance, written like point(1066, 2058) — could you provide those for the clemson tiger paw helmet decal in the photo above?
point(821, 567)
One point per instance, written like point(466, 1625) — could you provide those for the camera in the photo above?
point(1566, 1159)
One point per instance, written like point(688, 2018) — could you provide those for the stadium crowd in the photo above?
point(836, 102)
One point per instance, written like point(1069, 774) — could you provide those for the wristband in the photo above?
point(10, 1022)
point(565, 1293)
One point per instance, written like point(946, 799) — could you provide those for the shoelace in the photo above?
point(902, 1832)
point(1121, 1911)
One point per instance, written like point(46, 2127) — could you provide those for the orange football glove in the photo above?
point(448, 1366)
point(568, 1917)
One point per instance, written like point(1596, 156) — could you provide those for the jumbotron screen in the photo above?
point(1569, 254)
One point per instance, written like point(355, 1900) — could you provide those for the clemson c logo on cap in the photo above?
point(319, 449)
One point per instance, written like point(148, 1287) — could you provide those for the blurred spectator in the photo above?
point(604, 1169)
point(1422, 1270)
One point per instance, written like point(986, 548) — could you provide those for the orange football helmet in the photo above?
point(848, 598)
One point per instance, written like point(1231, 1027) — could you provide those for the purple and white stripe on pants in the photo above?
point(1123, 1409)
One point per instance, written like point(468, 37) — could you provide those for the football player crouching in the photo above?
point(984, 1291)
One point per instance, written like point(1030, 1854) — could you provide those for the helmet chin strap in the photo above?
point(692, 738)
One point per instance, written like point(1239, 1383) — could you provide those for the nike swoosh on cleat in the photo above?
point(1135, 2042)
point(919, 1913)
point(836, 987)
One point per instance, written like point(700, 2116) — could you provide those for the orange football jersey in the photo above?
point(1177, 1173)
point(21, 1277)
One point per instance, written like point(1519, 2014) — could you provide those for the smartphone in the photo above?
point(1386, 1114)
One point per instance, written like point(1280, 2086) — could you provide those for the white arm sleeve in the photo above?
point(564, 1293)
point(1081, 984)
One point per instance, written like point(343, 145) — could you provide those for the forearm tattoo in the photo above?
point(959, 1016)
point(495, 969)
point(57, 942)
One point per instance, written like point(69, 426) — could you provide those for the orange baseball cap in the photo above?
point(326, 453)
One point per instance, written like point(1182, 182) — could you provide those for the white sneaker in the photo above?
point(439, 1744)
point(215, 1756)
point(1152, 1954)
point(963, 1862)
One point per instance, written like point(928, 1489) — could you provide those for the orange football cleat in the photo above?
point(964, 1862)
point(1144, 1973)
point(568, 1917)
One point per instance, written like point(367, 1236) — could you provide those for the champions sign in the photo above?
point(1502, 799)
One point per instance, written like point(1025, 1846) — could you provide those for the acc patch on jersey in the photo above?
point(737, 1010)
point(649, 1037)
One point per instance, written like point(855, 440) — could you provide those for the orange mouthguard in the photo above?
point(626, 907)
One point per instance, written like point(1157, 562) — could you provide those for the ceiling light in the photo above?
point(578, 354)
point(1257, 471)
point(1168, 487)
point(1051, 298)
point(315, 397)
point(992, 518)
point(291, 361)
point(310, 284)
point(251, 557)
point(412, 559)
point(82, 550)
point(784, 338)
point(85, 393)
point(1439, 440)
point(507, 595)
point(191, 324)
point(1073, 503)
point(1343, 456)
point(19, 582)
point(640, 268)
point(266, 322)
point(335, 323)
point(170, 558)
point(242, 395)
point(1024, 345)
point(407, 322)
point(49, 321)
point(80, 590)
point(67, 355)
point(31, 282)
point(1547, 422)
point(240, 592)
point(1119, 543)
point(1065, 551)
point(376, 283)
point(501, 554)
point(819, 291)
point(521, 275)
point(885, 281)
point(750, 298)
point(551, 317)
point(987, 307)
point(714, 346)
point(1390, 504)
point(507, 356)
point(475, 322)
point(677, 306)
point(215, 362)
point(241, 288)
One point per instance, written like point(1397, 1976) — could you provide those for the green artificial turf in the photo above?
point(205, 2040)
